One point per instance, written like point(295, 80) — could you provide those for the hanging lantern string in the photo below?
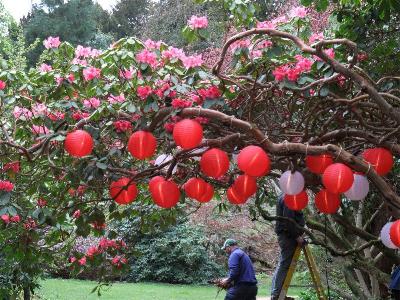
point(286, 145)
point(326, 260)
point(369, 168)
point(307, 148)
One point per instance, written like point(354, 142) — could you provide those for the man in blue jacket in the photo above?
point(242, 278)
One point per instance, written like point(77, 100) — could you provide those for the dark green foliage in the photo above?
point(178, 255)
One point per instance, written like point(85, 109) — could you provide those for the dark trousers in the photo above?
point(242, 292)
point(396, 294)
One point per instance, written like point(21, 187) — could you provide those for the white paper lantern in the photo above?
point(359, 189)
point(198, 151)
point(163, 158)
point(385, 236)
point(291, 183)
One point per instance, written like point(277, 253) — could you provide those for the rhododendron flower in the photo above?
point(136, 117)
point(316, 37)
point(95, 53)
point(201, 120)
point(72, 259)
point(91, 251)
point(58, 79)
point(266, 25)
point(264, 44)
point(2, 85)
point(362, 56)
point(45, 68)
point(41, 202)
point(5, 218)
point(52, 42)
point(71, 77)
point(180, 103)
point(98, 226)
point(122, 125)
point(15, 219)
point(82, 261)
point(172, 53)
point(169, 127)
point(303, 64)
point(280, 73)
point(30, 224)
point(76, 214)
point(84, 52)
point(280, 20)
point(196, 22)
point(152, 45)
point(14, 166)
point(6, 186)
point(127, 74)
point(39, 109)
point(91, 103)
point(293, 74)
point(143, 91)
point(91, 73)
point(36, 129)
point(256, 53)
point(211, 93)
point(56, 116)
point(118, 261)
point(19, 112)
point(299, 11)
point(78, 115)
point(116, 99)
point(196, 99)
point(77, 61)
point(244, 43)
point(330, 52)
point(147, 57)
point(192, 61)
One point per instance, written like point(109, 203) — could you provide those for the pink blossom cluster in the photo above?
point(169, 126)
point(330, 52)
point(196, 22)
point(30, 224)
point(152, 45)
point(173, 53)
point(244, 43)
point(119, 261)
point(127, 73)
point(79, 115)
point(52, 42)
point(13, 166)
point(55, 116)
point(19, 112)
point(6, 186)
point(144, 91)
point(210, 93)
point(180, 103)
point(147, 57)
point(86, 52)
point(2, 85)
point(98, 226)
point(293, 71)
point(116, 99)
point(122, 125)
point(92, 103)
point(41, 202)
point(299, 12)
point(40, 129)
point(192, 61)
point(315, 37)
point(77, 61)
point(39, 109)
point(163, 88)
point(273, 23)
point(7, 219)
point(45, 68)
point(91, 73)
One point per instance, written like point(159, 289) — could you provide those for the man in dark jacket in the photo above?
point(290, 234)
point(242, 278)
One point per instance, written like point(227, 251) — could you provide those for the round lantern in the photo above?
point(78, 143)
point(337, 178)
point(142, 144)
point(214, 163)
point(253, 161)
point(394, 233)
point(165, 193)
point(327, 202)
point(245, 185)
point(154, 181)
point(123, 191)
point(291, 183)
point(234, 197)
point(164, 158)
point(208, 194)
point(195, 188)
point(187, 133)
point(296, 202)
point(318, 163)
point(385, 236)
point(359, 189)
point(380, 158)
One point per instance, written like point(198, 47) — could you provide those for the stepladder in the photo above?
point(313, 271)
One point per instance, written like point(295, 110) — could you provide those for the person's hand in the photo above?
point(300, 240)
point(223, 283)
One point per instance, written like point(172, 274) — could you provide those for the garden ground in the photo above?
point(60, 289)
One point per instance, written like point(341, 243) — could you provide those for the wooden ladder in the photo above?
point(311, 266)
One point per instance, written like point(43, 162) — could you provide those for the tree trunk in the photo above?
point(27, 293)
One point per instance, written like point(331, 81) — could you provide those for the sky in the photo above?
point(20, 8)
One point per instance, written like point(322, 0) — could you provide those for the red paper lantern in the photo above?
point(78, 143)
point(154, 181)
point(296, 202)
point(234, 197)
point(195, 188)
point(142, 144)
point(380, 158)
point(253, 161)
point(187, 133)
point(327, 202)
point(208, 194)
point(214, 163)
point(123, 191)
point(318, 163)
point(245, 185)
point(395, 233)
point(338, 178)
point(165, 194)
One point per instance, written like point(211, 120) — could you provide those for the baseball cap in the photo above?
point(229, 242)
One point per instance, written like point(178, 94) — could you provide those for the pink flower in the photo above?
point(192, 61)
point(143, 91)
point(264, 44)
point(39, 109)
point(266, 25)
point(196, 99)
point(280, 20)
point(280, 73)
point(122, 125)
point(316, 37)
point(41, 202)
point(76, 214)
point(2, 85)
point(91, 73)
point(52, 42)
point(330, 52)
point(362, 56)
point(5, 218)
point(299, 11)
point(303, 64)
point(30, 224)
point(6, 186)
point(71, 77)
point(56, 116)
point(45, 68)
point(147, 57)
point(84, 52)
point(14, 166)
point(58, 79)
point(169, 127)
point(181, 103)
point(36, 129)
point(19, 112)
point(152, 45)
point(256, 53)
point(201, 120)
point(127, 74)
point(91, 103)
point(116, 99)
point(72, 259)
point(244, 43)
point(91, 251)
point(172, 53)
point(118, 261)
point(82, 261)
point(15, 219)
point(77, 61)
point(78, 115)
point(196, 22)
point(293, 74)
point(95, 53)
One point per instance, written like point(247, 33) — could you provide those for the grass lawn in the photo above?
point(60, 289)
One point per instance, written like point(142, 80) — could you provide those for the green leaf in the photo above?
point(101, 165)
point(4, 197)
point(323, 92)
